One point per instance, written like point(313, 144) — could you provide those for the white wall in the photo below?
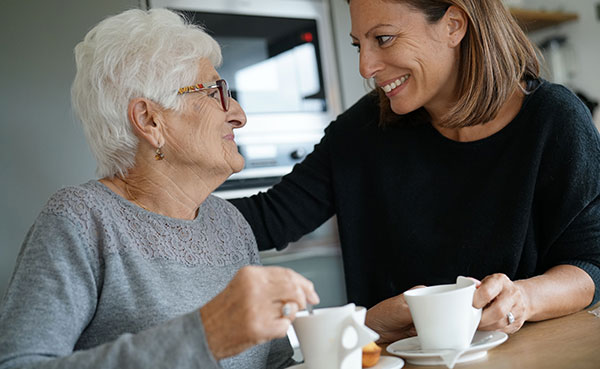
point(43, 149)
point(41, 146)
point(584, 38)
point(352, 84)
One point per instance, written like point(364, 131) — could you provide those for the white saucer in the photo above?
point(385, 362)
point(410, 349)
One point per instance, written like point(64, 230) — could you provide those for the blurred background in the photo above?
point(42, 147)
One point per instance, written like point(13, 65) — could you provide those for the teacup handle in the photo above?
point(464, 281)
point(364, 335)
point(476, 319)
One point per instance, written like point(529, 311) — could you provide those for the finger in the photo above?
point(488, 290)
point(515, 318)
point(307, 287)
point(287, 310)
point(495, 315)
point(287, 285)
point(279, 328)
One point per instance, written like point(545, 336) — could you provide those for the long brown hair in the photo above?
point(495, 55)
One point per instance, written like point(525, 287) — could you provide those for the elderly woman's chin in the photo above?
point(237, 163)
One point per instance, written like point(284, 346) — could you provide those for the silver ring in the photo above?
point(510, 317)
point(286, 310)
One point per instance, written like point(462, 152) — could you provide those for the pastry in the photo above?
point(370, 355)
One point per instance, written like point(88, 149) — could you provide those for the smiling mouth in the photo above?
point(397, 83)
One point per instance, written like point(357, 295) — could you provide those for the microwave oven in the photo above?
point(279, 61)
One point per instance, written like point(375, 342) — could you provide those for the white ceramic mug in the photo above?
point(444, 315)
point(332, 338)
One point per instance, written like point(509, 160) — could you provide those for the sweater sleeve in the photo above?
point(52, 298)
point(297, 205)
point(569, 189)
point(579, 244)
point(280, 354)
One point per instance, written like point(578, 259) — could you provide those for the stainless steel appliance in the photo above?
point(280, 64)
point(279, 61)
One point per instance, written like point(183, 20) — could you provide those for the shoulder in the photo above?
point(75, 201)
point(555, 102)
point(66, 222)
point(364, 112)
point(222, 208)
point(229, 225)
point(86, 210)
point(223, 214)
point(561, 120)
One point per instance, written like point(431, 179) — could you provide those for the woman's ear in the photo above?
point(456, 21)
point(144, 117)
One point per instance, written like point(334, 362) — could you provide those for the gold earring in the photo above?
point(158, 154)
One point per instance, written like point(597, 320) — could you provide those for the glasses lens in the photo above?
point(225, 93)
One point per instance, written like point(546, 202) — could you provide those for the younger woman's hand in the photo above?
point(504, 304)
point(391, 319)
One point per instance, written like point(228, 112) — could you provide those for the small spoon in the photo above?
point(309, 307)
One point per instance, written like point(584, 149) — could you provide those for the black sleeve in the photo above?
point(581, 240)
point(570, 189)
point(297, 205)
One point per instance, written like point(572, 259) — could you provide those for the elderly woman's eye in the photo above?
point(357, 46)
point(383, 39)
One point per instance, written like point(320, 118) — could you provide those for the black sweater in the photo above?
point(414, 207)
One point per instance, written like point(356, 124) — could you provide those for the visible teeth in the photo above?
point(396, 83)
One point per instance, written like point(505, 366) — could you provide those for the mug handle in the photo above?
point(364, 335)
point(468, 282)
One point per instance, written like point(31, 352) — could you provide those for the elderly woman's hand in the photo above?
point(249, 310)
point(391, 319)
point(504, 304)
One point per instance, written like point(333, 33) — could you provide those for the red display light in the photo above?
point(306, 37)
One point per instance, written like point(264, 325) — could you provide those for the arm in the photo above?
point(562, 290)
point(567, 222)
point(567, 287)
point(297, 205)
point(52, 299)
point(54, 291)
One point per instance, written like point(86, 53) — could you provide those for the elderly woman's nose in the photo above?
point(369, 64)
point(236, 115)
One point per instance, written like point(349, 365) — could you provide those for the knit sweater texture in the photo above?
point(414, 207)
point(103, 283)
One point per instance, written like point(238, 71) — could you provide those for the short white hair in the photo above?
point(136, 53)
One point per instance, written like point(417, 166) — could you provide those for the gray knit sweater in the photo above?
point(102, 283)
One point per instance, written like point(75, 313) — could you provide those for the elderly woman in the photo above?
point(144, 268)
point(462, 162)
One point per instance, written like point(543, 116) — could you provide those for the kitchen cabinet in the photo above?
point(533, 20)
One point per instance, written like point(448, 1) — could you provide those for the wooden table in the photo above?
point(572, 341)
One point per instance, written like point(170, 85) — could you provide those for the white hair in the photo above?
point(136, 53)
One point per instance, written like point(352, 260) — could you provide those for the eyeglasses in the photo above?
point(221, 85)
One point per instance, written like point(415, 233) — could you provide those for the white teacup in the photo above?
point(444, 315)
point(332, 338)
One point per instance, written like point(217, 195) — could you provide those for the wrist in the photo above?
point(528, 312)
point(211, 334)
